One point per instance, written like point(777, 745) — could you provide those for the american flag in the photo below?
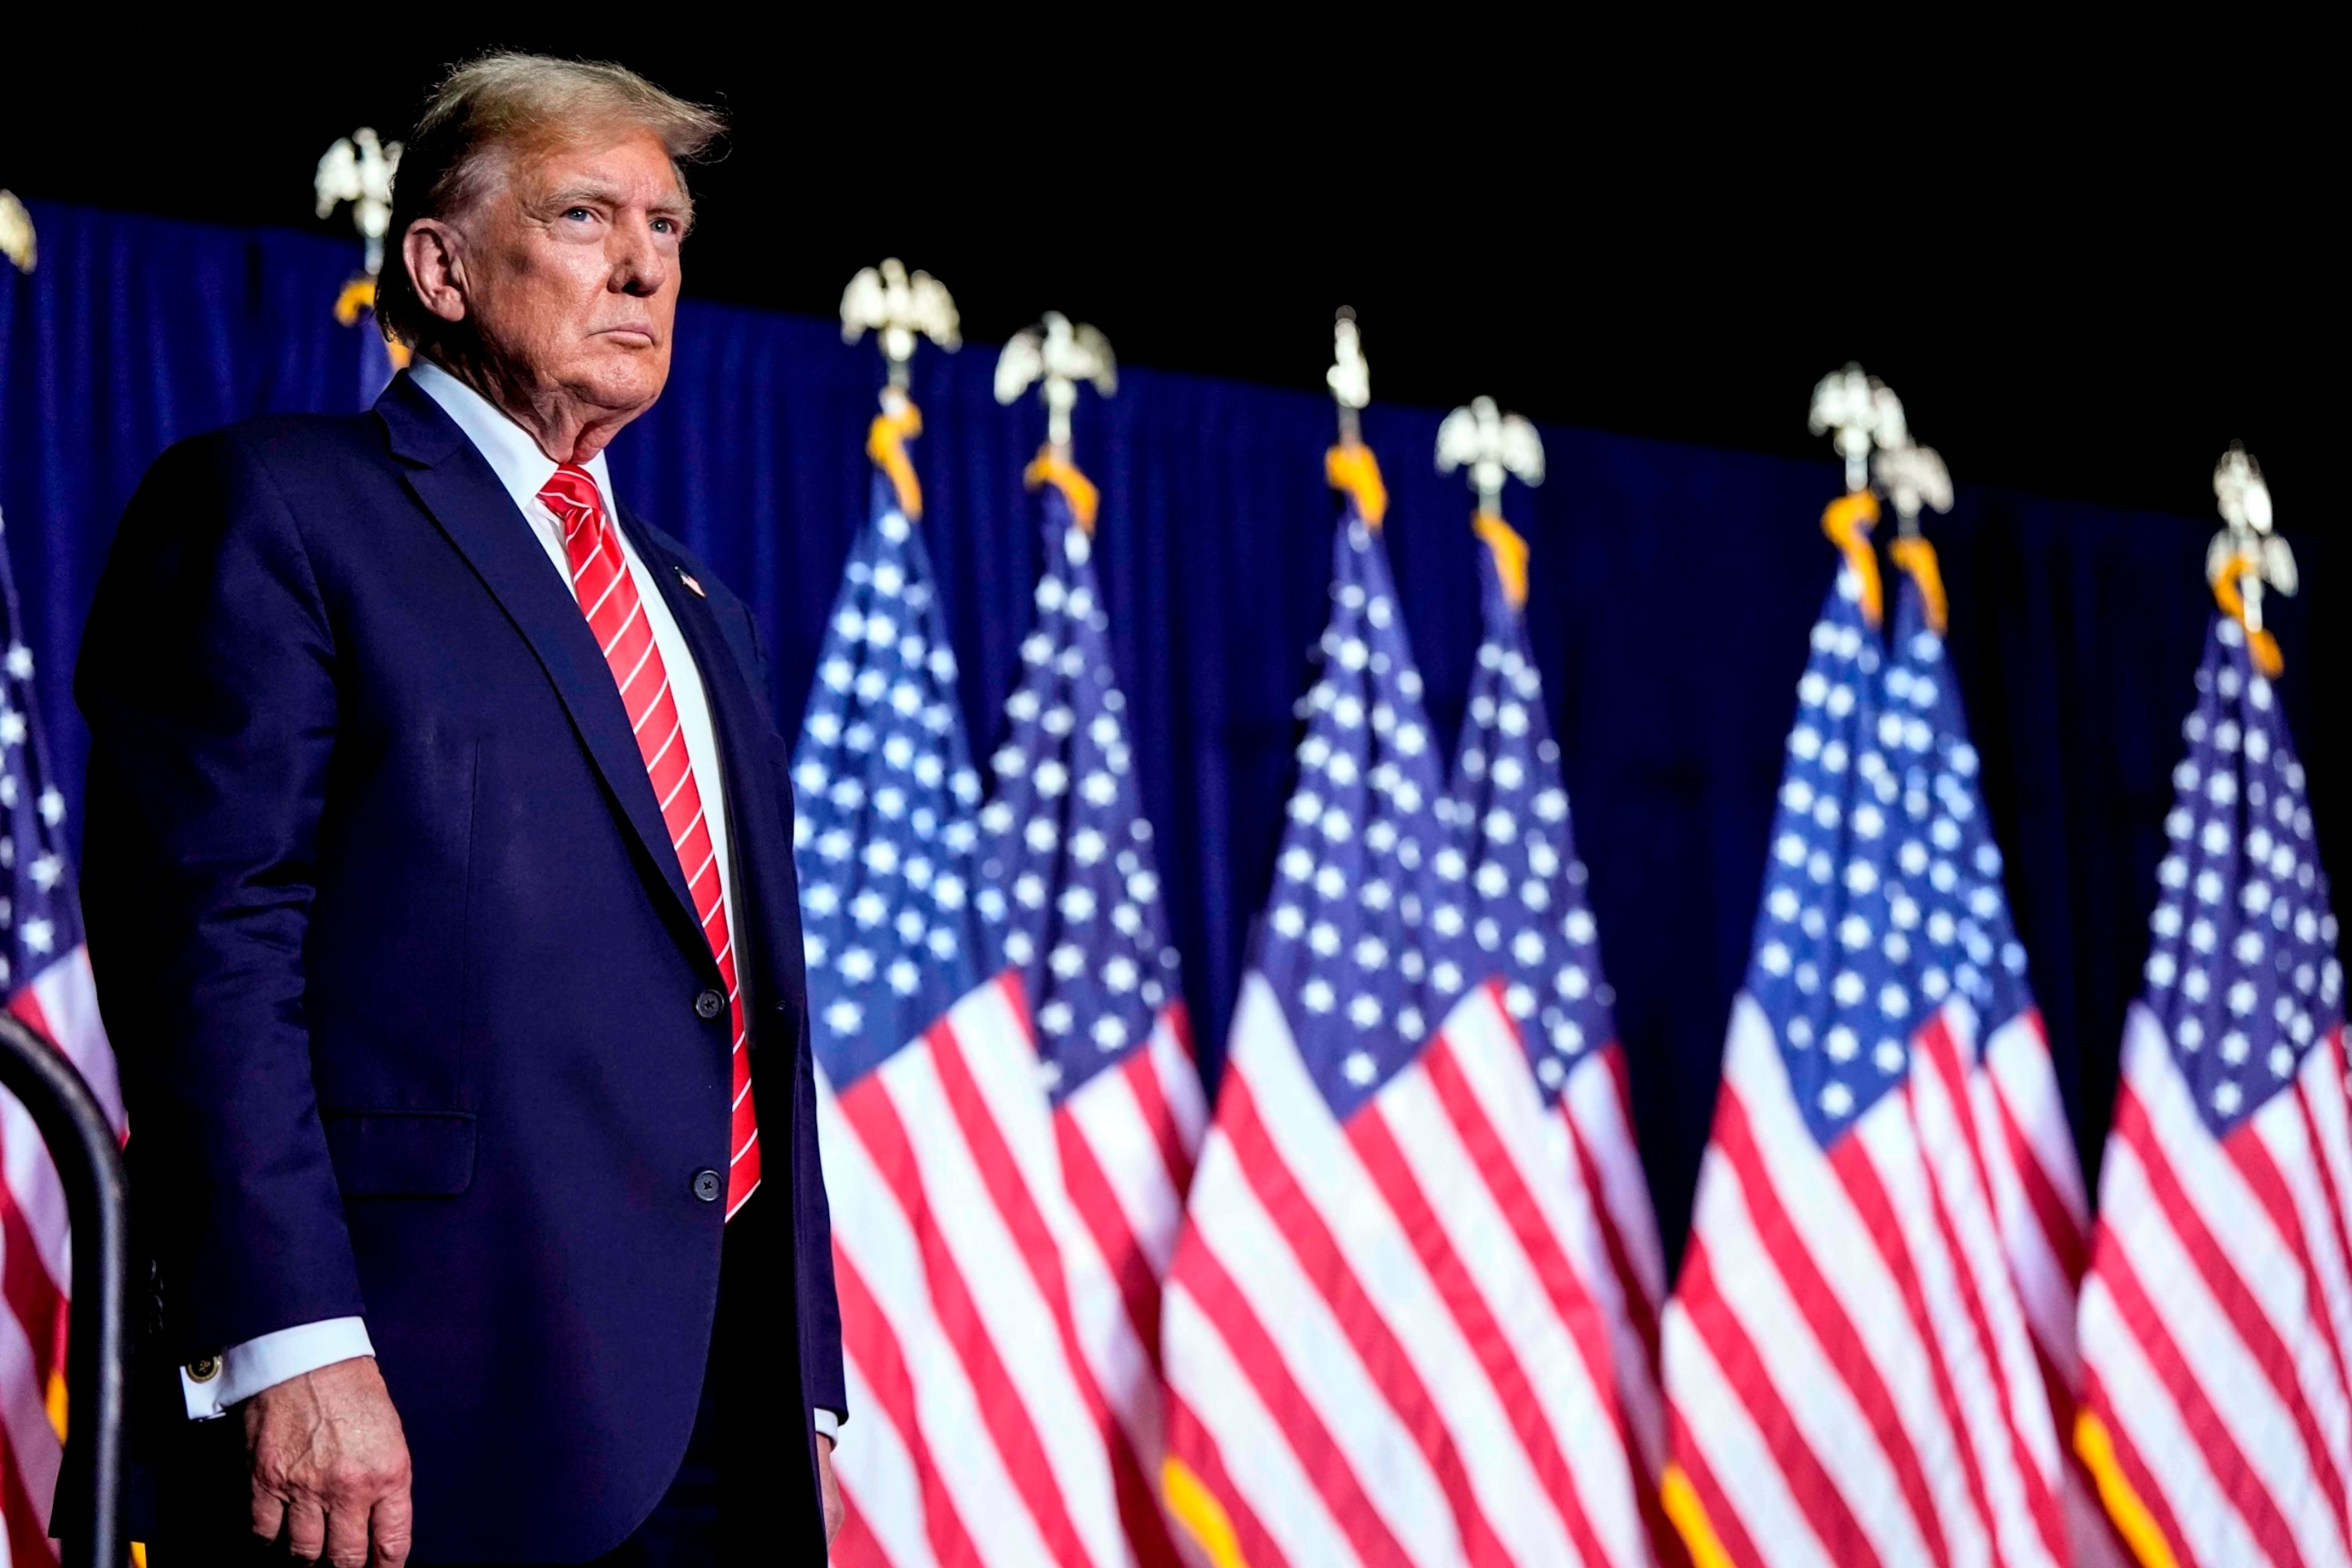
point(976, 1431)
point(1849, 1375)
point(1529, 922)
point(2217, 1314)
point(1378, 1348)
point(1067, 863)
point(2035, 1177)
point(45, 975)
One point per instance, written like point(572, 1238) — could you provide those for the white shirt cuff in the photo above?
point(827, 1424)
point(213, 1384)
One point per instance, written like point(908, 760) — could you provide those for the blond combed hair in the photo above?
point(492, 107)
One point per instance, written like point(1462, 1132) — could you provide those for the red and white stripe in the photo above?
point(1128, 1138)
point(2216, 1317)
point(979, 1434)
point(1378, 1346)
point(1626, 1272)
point(1849, 1375)
point(37, 1262)
point(2046, 1230)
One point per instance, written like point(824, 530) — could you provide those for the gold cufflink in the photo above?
point(204, 1368)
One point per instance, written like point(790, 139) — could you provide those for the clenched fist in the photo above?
point(329, 1468)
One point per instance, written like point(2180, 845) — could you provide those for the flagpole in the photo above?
point(1349, 466)
point(1494, 447)
point(1350, 377)
point(2246, 555)
point(900, 309)
point(1860, 413)
point(1914, 476)
point(358, 169)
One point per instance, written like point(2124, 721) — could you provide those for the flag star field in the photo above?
point(885, 801)
point(1066, 862)
point(1846, 949)
point(1356, 881)
point(2242, 971)
point(1988, 968)
point(1528, 917)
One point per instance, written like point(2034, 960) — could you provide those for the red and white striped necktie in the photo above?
point(608, 597)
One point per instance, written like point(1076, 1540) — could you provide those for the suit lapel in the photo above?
point(735, 715)
point(456, 484)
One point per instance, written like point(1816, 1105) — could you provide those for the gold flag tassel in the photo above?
point(1196, 1507)
point(2233, 600)
point(1052, 467)
point(2095, 1447)
point(885, 442)
point(1350, 468)
point(1510, 552)
point(1847, 521)
point(1915, 556)
point(359, 294)
point(1680, 1498)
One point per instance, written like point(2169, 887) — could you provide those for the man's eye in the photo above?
point(580, 213)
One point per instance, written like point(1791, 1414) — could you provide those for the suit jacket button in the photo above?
point(707, 1186)
point(709, 1005)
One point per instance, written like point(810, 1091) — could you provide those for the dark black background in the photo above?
point(2086, 271)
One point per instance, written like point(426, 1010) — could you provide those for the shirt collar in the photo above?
point(506, 445)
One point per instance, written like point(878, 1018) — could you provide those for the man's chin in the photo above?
point(629, 386)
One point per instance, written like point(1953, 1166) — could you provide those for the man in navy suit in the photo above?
point(440, 891)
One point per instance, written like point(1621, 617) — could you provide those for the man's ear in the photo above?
point(434, 253)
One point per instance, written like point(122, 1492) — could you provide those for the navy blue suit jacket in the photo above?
point(403, 972)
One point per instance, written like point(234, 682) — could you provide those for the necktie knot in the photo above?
point(571, 494)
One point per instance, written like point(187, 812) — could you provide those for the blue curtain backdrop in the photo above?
point(1672, 586)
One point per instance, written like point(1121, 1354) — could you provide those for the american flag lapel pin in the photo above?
point(687, 577)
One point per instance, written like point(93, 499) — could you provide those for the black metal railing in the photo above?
point(97, 1345)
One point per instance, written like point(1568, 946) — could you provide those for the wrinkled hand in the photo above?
point(329, 1468)
point(829, 1487)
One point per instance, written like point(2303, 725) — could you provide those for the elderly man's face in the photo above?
point(573, 285)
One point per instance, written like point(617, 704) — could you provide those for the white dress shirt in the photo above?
point(213, 1384)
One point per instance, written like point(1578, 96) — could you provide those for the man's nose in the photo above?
point(639, 265)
